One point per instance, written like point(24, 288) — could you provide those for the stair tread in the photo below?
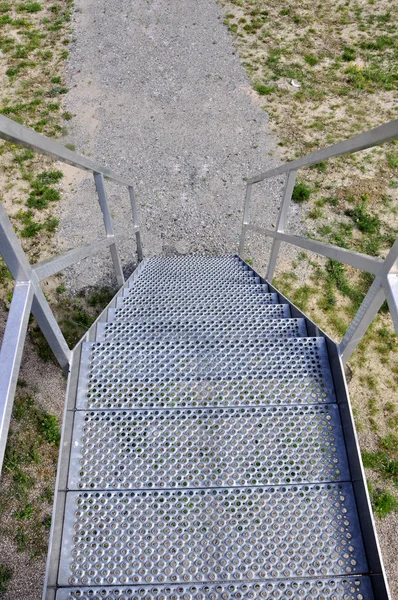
point(187, 328)
point(215, 534)
point(270, 311)
point(172, 300)
point(226, 288)
point(119, 373)
point(180, 448)
point(339, 588)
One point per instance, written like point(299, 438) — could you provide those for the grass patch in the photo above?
point(301, 193)
point(5, 578)
point(29, 7)
point(383, 502)
point(264, 90)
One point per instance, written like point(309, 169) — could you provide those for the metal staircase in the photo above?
point(207, 455)
point(208, 449)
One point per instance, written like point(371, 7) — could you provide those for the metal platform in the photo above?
point(208, 454)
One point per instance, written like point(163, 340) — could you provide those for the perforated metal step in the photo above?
point(198, 311)
point(336, 588)
point(210, 534)
point(207, 447)
point(137, 372)
point(166, 328)
point(192, 291)
point(135, 302)
point(152, 280)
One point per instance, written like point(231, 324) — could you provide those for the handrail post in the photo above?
point(103, 201)
point(245, 221)
point(136, 223)
point(369, 308)
point(11, 355)
point(21, 270)
point(280, 225)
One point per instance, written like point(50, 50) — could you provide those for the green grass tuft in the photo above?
point(5, 578)
point(301, 193)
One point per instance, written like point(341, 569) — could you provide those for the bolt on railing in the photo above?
point(28, 296)
point(385, 284)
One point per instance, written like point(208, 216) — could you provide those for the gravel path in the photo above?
point(160, 96)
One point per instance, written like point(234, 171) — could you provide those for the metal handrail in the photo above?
point(379, 135)
point(23, 136)
point(28, 296)
point(385, 284)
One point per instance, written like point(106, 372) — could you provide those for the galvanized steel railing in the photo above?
point(385, 284)
point(28, 296)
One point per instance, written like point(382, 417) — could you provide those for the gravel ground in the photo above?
point(160, 96)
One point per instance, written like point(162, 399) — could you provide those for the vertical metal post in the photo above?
point(280, 225)
point(11, 355)
point(136, 223)
point(245, 221)
point(369, 308)
point(21, 270)
point(103, 201)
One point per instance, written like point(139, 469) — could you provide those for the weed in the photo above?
point(321, 166)
point(301, 296)
point(5, 578)
point(49, 177)
point(311, 60)
point(55, 91)
point(29, 7)
point(392, 160)
point(49, 428)
point(70, 147)
point(21, 539)
point(390, 442)
point(264, 90)
point(43, 349)
point(301, 193)
point(47, 521)
point(22, 406)
point(50, 224)
point(349, 54)
point(47, 495)
point(24, 513)
point(315, 213)
point(61, 289)
point(380, 462)
point(22, 483)
point(365, 222)
point(102, 296)
point(382, 501)
point(30, 227)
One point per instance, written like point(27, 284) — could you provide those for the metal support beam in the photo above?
point(21, 270)
point(60, 262)
point(280, 226)
point(368, 139)
point(136, 223)
point(23, 136)
point(369, 307)
point(11, 355)
point(245, 222)
point(391, 292)
point(103, 201)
